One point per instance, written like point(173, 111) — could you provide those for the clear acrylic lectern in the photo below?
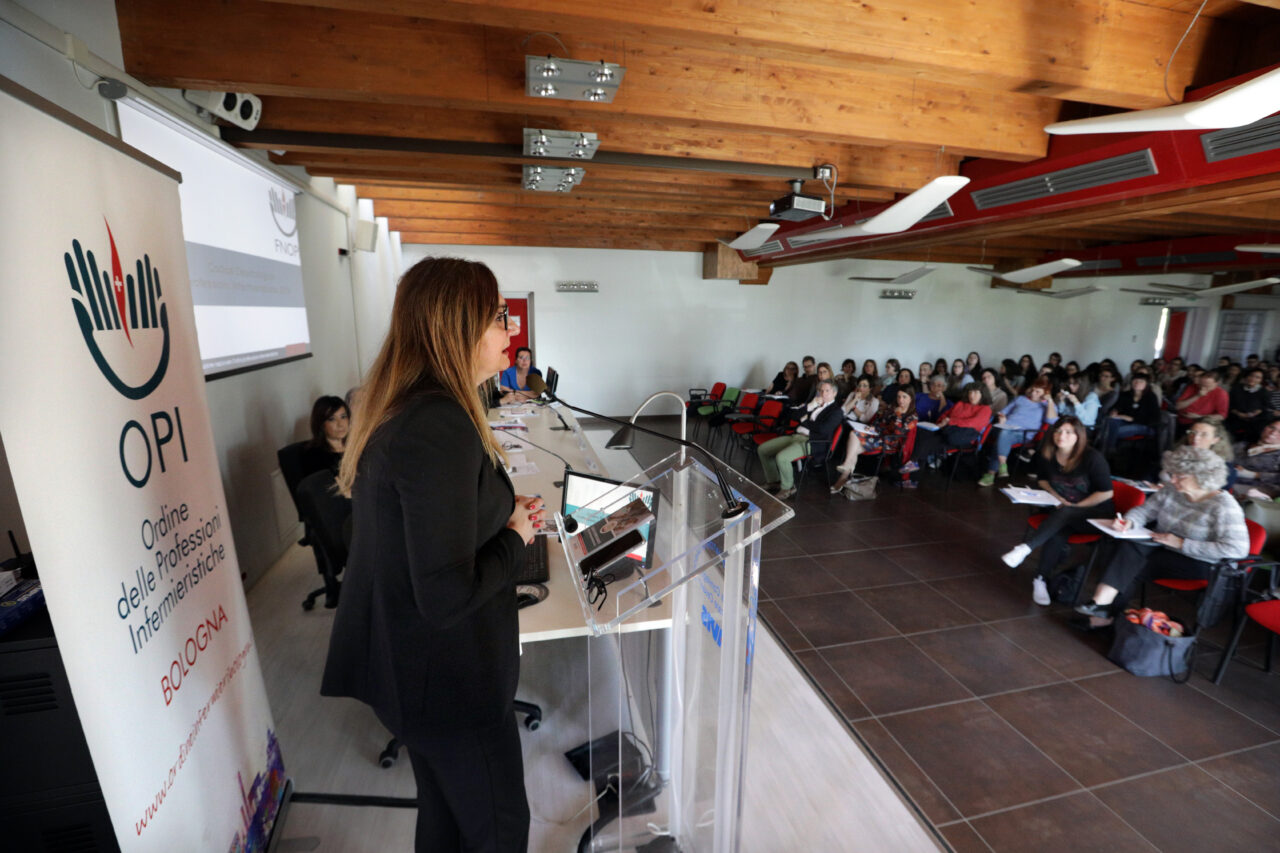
point(669, 657)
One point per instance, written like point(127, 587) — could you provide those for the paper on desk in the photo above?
point(862, 428)
point(1034, 497)
point(1104, 524)
point(518, 411)
point(523, 469)
point(507, 425)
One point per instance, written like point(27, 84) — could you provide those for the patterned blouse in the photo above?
point(892, 428)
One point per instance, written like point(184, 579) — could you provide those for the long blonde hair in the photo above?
point(443, 307)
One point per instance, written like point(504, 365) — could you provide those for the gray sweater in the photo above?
point(1213, 529)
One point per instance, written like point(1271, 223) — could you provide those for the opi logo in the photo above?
point(284, 211)
point(122, 317)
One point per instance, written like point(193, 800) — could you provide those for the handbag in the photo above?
point(860, 487)
point(1143, 651)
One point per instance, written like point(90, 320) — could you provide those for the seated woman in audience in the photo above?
point(330, 422)
point(848, 377)
point(1027, 366)
point(904, 379)
point(1248, 406)
point(861, 404)
point(973, 365)
point(961, 426)
point(1136, 412)
point(891, 426)
point(1194, 520)
point(957, 380)
point(1258, 465)
point(785, 379)
point(1078, 476)
point(1205, 397)
point(819, 424)
point(926, 370)
point(890, 373)
point(1174, 369)
point(869, 371)
point(940, 368)
point(997, 396)
point(1210, 434)
point(932, 403)
point(1018, 422)
point(514, 381)
point(1107, 390)
point(1080, 401)
point(1011, 376)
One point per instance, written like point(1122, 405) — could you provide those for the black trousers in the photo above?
point(1134, 563)
point(471, 793)
point(931, 442)
point(1051, 536)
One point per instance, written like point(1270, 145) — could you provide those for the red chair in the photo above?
point(762, 422)
point(743, 411)
point(819, 454)
point(954, 453)
point(1125, 498)
point(769, 425)
point(1265, 610)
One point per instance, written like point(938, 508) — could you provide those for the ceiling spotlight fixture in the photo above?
point(557, 180)
point(560, 144)
point(897, 294)
point(576, 79)
point(1155, 300)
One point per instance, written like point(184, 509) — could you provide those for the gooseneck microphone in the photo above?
point(733, 507)
point(539, 386)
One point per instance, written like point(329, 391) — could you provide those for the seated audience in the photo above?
point(330, 422)
point(1018, 422)
point(1055, 360)
point(1202, 398)
point(996, 395)
point(1078, 400)
point(957, 380)
point(819, 424)
point(961, 426)
point(890, 372)
point(1107, 390)
point(1228, 376)
point(785, 379)
point(891, 426)
point(1136, 412)
point(905, 379)
point(869, 371)
point(1258, 464)
point(1174, 370)
point(1248, 406)
point(932, 403)
point(926, 370)
point(940, 368)
point(514, 381)
point(1078, 476)
point(1194, 521)
point(862, 403)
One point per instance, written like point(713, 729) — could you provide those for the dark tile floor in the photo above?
point(1009, 729)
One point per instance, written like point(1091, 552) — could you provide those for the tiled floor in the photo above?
point(1008, 728)
point(1011, 730)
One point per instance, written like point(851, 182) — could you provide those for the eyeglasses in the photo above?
point(503, 314)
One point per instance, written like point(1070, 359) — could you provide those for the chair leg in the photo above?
point(1230, 650)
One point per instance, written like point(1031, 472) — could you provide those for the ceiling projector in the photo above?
point(796, 206)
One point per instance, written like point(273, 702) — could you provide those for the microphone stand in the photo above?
point(733, 508)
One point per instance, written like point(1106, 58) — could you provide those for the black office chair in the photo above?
point(290, 458)
point(327, 517)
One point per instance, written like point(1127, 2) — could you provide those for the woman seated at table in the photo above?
point(818, 424)
point(862, 404)
point(992, 389)
point(1195, 522)
point(1136, 413)
point(1018, 422)
point(785, 379)
point(514, 381)
point(960, 427)
point(891, 426)
point(1078, 476)
point(1258, 465)
point(932, 402)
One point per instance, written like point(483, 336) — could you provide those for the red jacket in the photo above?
point(965, 414)
point(1216, 402)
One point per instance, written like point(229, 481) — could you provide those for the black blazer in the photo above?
point(426, 630)
point(822, 428)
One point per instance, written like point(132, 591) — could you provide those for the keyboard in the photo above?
point(535, 563)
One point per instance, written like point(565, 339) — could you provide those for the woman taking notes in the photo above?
point(426, 630)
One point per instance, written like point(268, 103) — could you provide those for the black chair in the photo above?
point(327, 517)
point(532, 720)
point(293, 469)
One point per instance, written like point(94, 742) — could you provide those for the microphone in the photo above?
point(733, 507)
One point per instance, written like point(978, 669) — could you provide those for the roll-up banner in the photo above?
point(106, 424)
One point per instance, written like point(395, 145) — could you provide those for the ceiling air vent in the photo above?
point(1099, 264)
point(1113, 170)
point(1231, 142)
point(942, 211)
point(1187, 260)
point(27, 694)
point(764, 249)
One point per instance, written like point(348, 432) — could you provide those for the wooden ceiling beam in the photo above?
point(446, 238)
point(273, 49)
point(886, 168)
point(579, 199)
point(503, 230)
point(1093, 51)
point(417, 211)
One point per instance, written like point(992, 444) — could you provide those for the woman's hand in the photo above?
point(1120, 523)
point(1000, 418)
point(526, 518)
point(1169, 539)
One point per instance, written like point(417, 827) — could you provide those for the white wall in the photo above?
point(656, 325)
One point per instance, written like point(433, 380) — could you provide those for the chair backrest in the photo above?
point(325, 512)
point(908, 443)
point(290, 459)
point(731, 395)
point(1257, 536)
point(769, 412)
point(1126, 497)
point(717, 391)
point(747, 404)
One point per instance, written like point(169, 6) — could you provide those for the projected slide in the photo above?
point(241, 233)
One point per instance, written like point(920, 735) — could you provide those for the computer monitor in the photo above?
point(552, 379)
point(605, 496)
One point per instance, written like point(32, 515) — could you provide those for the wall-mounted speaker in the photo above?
point(366, 235)
point(239, 108)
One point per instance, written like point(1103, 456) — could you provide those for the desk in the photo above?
point(560, 615)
